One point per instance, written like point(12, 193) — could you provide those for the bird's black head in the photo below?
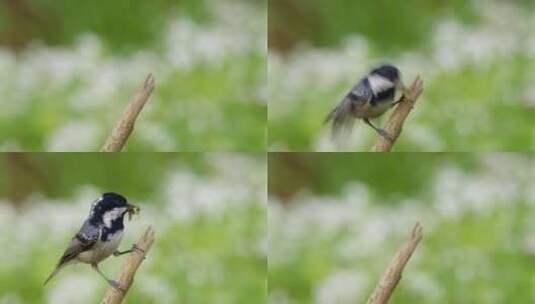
point(109, 208)
point(387, 71)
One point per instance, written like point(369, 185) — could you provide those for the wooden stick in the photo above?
point(395, 122)
point(392, 275)
point(130, 266)
point(118, 137)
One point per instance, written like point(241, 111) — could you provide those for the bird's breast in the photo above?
point(102, 249)
point(372, 110)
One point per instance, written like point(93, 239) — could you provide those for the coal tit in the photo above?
point(99, 236)
point(369, 98)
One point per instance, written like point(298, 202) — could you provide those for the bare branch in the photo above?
point(118, 137)
point(392, 275)
point(395, 122)
point(130, 266)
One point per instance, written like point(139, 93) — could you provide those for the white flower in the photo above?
point(157, 289)
point(342, 286)
point(68, 290)
point(74, 136)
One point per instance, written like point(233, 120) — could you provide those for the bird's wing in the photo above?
point(84, 240)
point(342, 120)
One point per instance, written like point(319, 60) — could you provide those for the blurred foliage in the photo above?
point(224, 98)
point(388, 177)
point(472, 110)
point(206, 257)
point(477, 87)
point(209, 81)
point(187, 249)
point(123, 24)
point(229, 242)
point(477, 245)
point(495, 272)
point(59, 175)
point(392, 26)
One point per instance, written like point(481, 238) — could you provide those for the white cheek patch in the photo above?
point(379, 84)
point(110, 216)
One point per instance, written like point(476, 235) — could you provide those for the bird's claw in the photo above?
point(402, 99)
point(117, 285)
point(385, 135)
point(135, 247)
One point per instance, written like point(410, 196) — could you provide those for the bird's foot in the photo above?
point(402, 99)
point(117, 285)
point(135, 247)
point(385, 135)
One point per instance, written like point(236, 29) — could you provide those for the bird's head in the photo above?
point(109, 208)
point(389, 72)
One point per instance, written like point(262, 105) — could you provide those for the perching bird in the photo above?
point(369, 98)
point(99, 236)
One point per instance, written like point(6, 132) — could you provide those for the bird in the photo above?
point(372, 96)
point(100, 235)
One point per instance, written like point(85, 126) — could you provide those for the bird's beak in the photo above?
point(132, 210)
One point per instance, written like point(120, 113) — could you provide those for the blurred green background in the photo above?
point(477, 59)
point(336, 220)
point(209, 222)
point(67, 70)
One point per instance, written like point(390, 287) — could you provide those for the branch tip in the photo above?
point(395, 122)
point(392, 275)
point(124, 127)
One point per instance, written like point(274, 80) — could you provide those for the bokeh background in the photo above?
point(477, 59)
point(336, 220)
point(209, 220)
point(67, 70)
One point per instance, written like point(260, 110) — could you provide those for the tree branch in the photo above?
point(130, 266)
point(395, 122)
point(118, 137)
point(392, 275)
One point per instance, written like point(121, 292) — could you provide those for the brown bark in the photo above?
point(118, 137)
point(130, 266)
point(386, 286)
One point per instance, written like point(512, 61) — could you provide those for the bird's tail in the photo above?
point(53, 274)
point(341, 119)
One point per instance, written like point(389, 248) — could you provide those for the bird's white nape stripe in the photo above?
point(379, 83)
point(110, 216)
point(92, 210)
